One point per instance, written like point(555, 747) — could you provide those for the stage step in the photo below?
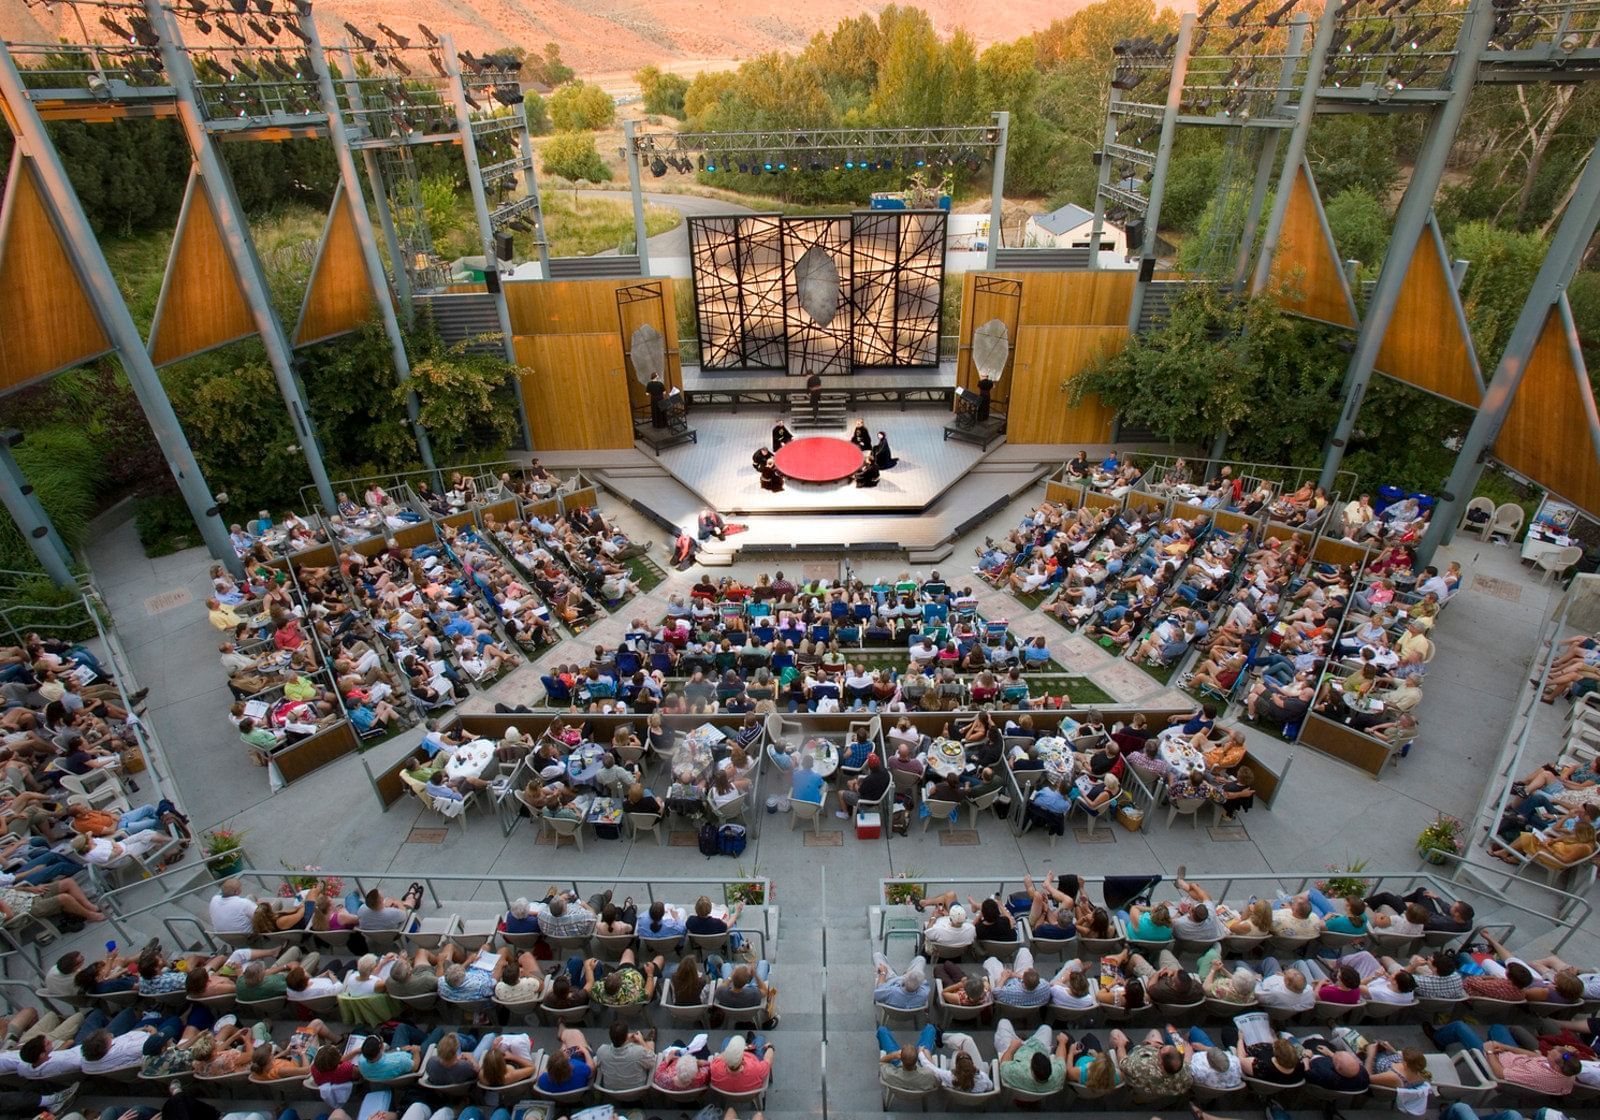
point(932, 555)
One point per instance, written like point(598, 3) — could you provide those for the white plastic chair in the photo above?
point(1556, 561)
point(1480, 528)
point(1507, 520)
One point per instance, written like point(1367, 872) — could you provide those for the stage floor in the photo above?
point(718, 466)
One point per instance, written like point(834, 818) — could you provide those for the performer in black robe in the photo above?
point(762, 459)
point(780, 436)
point(861, 437)
point(882, 457)
point(657, 389)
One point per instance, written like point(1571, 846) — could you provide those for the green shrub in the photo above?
point(164, 524)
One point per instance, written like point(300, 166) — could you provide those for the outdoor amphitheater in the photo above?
point(780, 666)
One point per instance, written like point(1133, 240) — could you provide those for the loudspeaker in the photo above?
point(491, 280)
point(1135, 231)
point(504, 247)
point(1147, 270)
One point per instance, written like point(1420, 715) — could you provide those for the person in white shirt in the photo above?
point(303, 986)
point(1071, 990)
point(1212, 1066)
point(1196, 923)
point(369, 975)
point(950, 930)
point(105, 852)
point(1434, 582)
point(1287, 991)
point(231, 910)
point(40, 1060)
point(104, 1052)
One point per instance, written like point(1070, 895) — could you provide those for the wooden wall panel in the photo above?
point(1426, 344)
point(1305, 269)
point(1345, 743)
point(46, 320)
point(339, 297)
point(572, 308)
point(316, 752)
point(1059, 493)
point(1330, 551)
point(1547, 434)
point(574, 390)
point(586, 498)
point(1046, 356)
point(201, 304)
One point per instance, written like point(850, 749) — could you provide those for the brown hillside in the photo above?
point(617, 36)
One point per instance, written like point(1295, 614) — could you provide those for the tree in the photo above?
point(1360, 226)
point(663, 92)
point(466, 402)
point(1225, 365)
point(547, 69)
point(537, 112)
point(1348, 150)
point(572, 155)
point(1499, 276)
point(579, 106)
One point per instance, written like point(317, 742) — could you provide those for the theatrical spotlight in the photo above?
point(1125, 80)
point(657, 167)
point(117, 29)
point(427, 33)
point(507, 97)
point(401, 41)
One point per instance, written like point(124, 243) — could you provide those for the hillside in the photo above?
point(604, 37)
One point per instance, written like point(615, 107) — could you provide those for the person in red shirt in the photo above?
point(1553, 1074)
point(741, 1068)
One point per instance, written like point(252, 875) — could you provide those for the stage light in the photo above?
point(261, 32)
point(744, 168)
point(507, 98)
point(849, 165)
point(1125, 80)
point(888, 165)
point(202, 24)
point(240, 7)
point(401, 41)
point(657, 168)
point(767, 166)
point(921, 162)
point(428, 34)
point(473, 101)
point(816, 164)
point(243, 68)
point(711, 165)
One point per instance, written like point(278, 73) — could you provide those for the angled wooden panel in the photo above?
point(1305, 269)
point(1047, 356)
point(339, 297)
point(46, 320)
point(1427, 343)
point(1549, 433)
point(201, 304)
point(575, 391)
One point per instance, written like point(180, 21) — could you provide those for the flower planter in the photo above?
point(1432, 855)
point(226, 866)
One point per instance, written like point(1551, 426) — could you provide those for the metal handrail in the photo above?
point(397, 479)
point(360, 881)
point(1410, 880)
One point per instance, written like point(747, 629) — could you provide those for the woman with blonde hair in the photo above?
point(1255, 921)
point(1397, 1069)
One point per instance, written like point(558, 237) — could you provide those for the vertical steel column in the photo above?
point(101, 287)
point(997, 188)
point(1158, 177)
point(400, 268)
point(480, 208)
point(532, 189)
point(1305, 113)
point(1103, 179)
point(369, 245)
point(1269, 143)
point(640, 235)
point(216, 185)
point(1409, 222)
point(23, 504)
point(1549, 287)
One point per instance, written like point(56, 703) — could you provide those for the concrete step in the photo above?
point(933, 555)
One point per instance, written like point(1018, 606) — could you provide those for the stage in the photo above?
point(864, 388)
point(718, 469)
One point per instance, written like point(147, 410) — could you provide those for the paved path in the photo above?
point(675, 241)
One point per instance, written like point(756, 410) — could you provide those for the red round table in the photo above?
point(818, 459)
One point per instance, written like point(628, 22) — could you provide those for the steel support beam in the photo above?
point(1571, 238)
point(636, 192)
point(531, 191)
point(398, 265)
point(345, 158)
point(218, 193)
point(1409, 222)
point(32, 521)
point(1267, 159)
point(1294, 154)
point(1103, 178)
point(100, 285)
point(997, 188)
point(1158, 177)
point(480, 209)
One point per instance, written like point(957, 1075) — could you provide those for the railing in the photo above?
point(1221, 887)
point(1281, 473)
point(1518, 736)
point(689, 349)
point(395, 480)
point(509, 886)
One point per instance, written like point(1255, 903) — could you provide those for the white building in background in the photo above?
point(1069, 228)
